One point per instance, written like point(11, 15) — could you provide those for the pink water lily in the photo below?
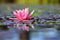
point(23, 16)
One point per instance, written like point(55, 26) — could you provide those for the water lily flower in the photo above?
point(23, 16)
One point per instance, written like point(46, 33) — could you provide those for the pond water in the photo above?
point(42, 34)
point(45, 34)
point(9, 35)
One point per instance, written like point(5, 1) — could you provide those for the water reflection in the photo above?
point(45, 34)
point(9, 35)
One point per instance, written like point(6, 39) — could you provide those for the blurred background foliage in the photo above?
point(32, 2)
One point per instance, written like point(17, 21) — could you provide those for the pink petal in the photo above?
point(27, 28)
point(20, 17)
point(17, 15)
point(13, 18)
point(32, 26)
point(22, 14)
point(26, 11)
point(30, 16)
point(31, 13)
point(17, 11)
